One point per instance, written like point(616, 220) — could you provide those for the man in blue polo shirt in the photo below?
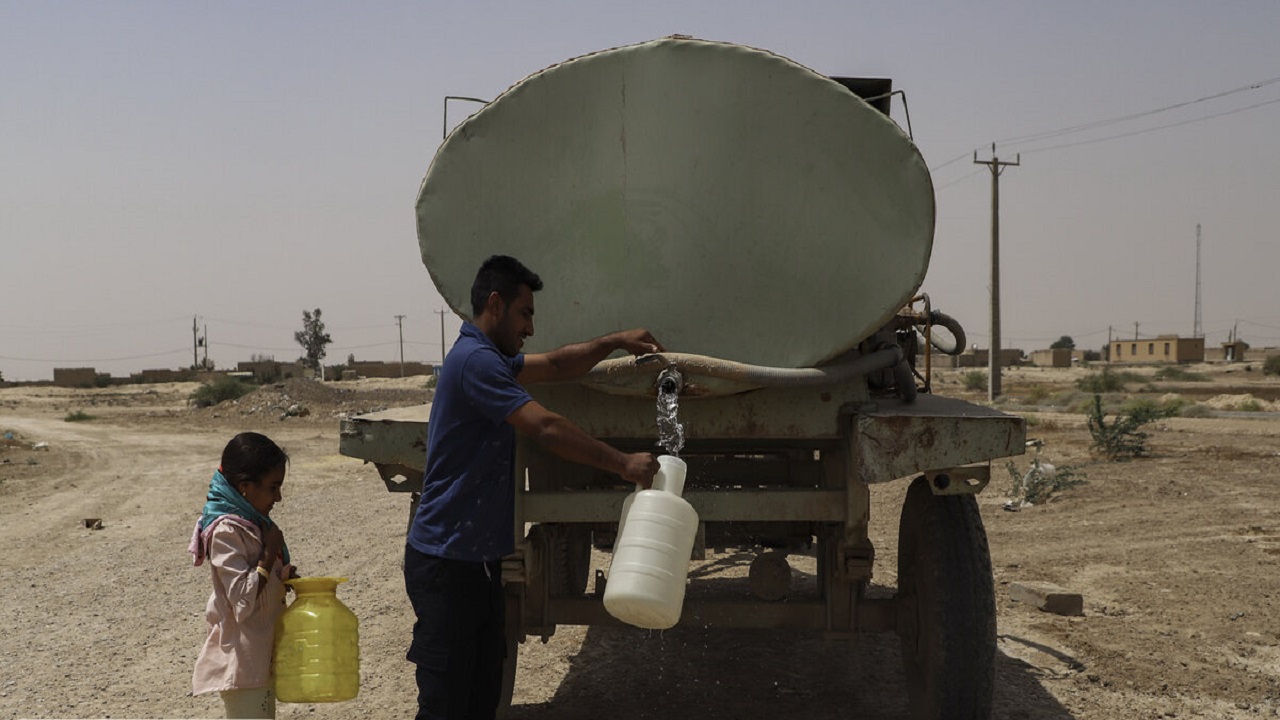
point(464, 523)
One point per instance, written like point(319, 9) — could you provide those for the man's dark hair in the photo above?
point(502, 274)
point(250, 457)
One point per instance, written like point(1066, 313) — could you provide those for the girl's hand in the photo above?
point(290, 573)
point(272, 544)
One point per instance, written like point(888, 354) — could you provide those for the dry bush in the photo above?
point(1122, 438)
point(1271, 366)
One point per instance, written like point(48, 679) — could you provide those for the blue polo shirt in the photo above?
point(467, 510)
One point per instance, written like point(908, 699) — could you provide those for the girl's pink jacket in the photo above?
point(242, 614)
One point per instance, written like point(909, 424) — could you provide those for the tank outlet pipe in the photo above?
point(905, 381)
point(757, 375)
point(670, 382)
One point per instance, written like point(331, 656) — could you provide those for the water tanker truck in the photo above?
point(772, 226)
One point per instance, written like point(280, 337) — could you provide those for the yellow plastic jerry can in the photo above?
point(317, 648)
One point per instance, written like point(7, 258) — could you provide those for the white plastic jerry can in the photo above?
point(651, 555)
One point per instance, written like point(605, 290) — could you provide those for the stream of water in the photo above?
point(670, 431)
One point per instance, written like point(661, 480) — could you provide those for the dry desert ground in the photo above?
point(1177, 556)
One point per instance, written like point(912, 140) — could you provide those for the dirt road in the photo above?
point(1176, 556)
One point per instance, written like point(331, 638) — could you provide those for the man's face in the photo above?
point(516, 323)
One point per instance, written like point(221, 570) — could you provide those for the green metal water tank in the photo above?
point(736, 203)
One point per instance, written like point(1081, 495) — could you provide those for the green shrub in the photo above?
point(1037, 394)
point(1036, 421)
point(1081, 407)
point(1250, 405)
point(79, 416)
point(1040, 483)
point(975, 380)
point(219, 390)
point(1271, 366)
point(1195, 410)
point(1066, 399)
point(1122, 438)
point(1150, 406)
point(1177, 374)
point(1141, 405)
point(1177, 405)
point(1105, 381)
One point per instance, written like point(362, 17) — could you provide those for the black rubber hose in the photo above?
point(953, 326)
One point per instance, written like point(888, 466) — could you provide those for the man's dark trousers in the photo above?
point(458, 639)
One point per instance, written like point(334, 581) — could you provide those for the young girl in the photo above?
point(249, 565)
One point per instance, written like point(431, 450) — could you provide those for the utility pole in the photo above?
point(993, 355)
point(1198, 330)
point(441, 313)
point(195, 342)
point(205, 342)
point(400, 325)
point(1135, 330)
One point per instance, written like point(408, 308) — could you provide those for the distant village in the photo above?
point(258, 371)
point(1162, 349)
point(1159, 350)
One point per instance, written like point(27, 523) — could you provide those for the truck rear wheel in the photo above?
point(946, 606)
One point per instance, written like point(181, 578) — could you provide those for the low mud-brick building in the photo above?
point(1162, 349)
point(74, 377)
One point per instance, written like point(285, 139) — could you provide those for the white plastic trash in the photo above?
point(651, 554)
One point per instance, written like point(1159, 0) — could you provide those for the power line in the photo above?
point(958, 180)
point(83, 360)
point(362, 347)
point(1094, 124)
point(89, 326)
point(1151, 129)
point(250, 324)
point(1045, 135)
point(952, 161)
point(258, 347)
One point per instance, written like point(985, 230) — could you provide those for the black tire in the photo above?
point(946, 606)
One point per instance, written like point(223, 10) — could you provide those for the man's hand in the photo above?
point(638, 342)
point(640, 469)
point(571, 362)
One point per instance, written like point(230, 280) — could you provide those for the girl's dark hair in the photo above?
point(249, 457)
point(504, 275)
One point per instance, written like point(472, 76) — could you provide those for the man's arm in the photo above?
point(574, 361)
point(562, 437)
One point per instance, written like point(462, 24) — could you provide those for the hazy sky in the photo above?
point(243, 161)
